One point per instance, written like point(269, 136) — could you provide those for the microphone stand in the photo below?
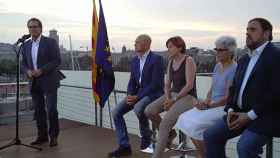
point(17, 140)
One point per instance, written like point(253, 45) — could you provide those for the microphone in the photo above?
point(22, 39)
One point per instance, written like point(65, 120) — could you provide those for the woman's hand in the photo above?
point(203, 105)
point(167, 104)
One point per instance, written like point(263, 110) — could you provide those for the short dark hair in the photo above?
point(178, 42)
point(35, 19)
point(265, 24)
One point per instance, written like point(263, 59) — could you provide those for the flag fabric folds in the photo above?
point(103, 75)
point(93, 43)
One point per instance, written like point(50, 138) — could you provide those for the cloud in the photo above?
point(192, 33)
point(17, 21)
point(200, 22)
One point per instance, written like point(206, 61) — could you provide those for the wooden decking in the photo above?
point(76, 140)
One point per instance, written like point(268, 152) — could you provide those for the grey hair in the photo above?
point(227, 42)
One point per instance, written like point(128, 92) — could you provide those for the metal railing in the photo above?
point(83, 96)
point(115, 97)
point(76, 103)
point(8, 103)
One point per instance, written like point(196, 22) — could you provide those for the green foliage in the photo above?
point(8, 66)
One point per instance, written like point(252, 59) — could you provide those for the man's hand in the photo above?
point(37, 73)
point(167, 104)
point(131, 99)
point(29, 74)
point(232, 116)
point(237, 121)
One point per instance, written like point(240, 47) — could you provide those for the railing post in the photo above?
point(6, 93)
point(269, 149)
point(101, 117)
point(182, 140)
point(96, 113)
point(115, 96)
point(110, 116)
point(154, 135)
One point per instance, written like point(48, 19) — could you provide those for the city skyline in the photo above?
point(198, 22)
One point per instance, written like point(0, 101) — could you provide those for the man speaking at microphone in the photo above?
point(40, 62)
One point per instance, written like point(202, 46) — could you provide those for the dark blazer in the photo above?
point(152, 81)
point(48, 60)
point(262, 91)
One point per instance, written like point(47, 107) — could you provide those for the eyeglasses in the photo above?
point(33, 26)
point(220, 49)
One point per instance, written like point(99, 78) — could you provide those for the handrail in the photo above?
point(83, 87)
point(123, 91)
point(90, 88)
point(13, 84)
point(72, 86)
point(269, 147)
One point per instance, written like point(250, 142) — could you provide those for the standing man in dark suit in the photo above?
point(145, 85)
point(254, 102)
point(41, 58)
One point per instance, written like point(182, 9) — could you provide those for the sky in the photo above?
point(199, 22)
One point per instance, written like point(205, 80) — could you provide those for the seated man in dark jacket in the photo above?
point(254, 103)
point(145, 85)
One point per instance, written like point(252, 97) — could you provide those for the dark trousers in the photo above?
point(41, 101)
point(249, 145)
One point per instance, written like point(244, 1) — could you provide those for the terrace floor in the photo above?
point(77, 140)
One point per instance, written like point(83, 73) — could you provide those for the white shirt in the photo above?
point(253, 60)
point(142, 60)
point(34, 51)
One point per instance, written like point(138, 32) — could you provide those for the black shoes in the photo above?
point(145, 144)
point(171, 137)
point(53, 142)
point(121, 151)
point(39, 141)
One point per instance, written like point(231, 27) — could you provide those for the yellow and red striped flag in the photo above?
point(94, 42)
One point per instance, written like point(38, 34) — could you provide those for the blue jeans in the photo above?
point(249, 145)
point(121, 130)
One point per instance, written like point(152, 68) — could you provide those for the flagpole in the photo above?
point(94, 66)
point(96, 122)
point(101, 116)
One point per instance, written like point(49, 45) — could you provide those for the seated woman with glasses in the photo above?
point(204, 114)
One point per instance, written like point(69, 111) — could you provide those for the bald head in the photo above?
point(145, 37)
point(143, 43)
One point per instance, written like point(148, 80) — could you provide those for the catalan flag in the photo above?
point(93, 43)
point(104, 75)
